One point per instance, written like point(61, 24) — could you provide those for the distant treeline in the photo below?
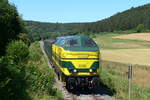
point(131, 19)
point(127, 20)
point(42, 30)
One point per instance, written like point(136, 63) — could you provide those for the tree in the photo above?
point(126, 20)
point(18, 51)
point(140, 28)
point(10, 24)
point(25, 38)
point(12, 72)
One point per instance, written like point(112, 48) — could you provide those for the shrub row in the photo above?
point(24, 71)
point(40, 77)
point(12, 72)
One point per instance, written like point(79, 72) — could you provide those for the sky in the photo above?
point(67, 11)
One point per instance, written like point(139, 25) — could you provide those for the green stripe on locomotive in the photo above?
point(70, 61)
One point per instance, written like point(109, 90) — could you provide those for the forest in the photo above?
point(121, 21)
point(41, 30)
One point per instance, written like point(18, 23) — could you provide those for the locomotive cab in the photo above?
point(77, 61)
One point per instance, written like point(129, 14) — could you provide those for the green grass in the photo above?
point(114, 76)
point(106, 41)
point(40, 77)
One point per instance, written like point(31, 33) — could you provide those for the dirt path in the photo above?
point(100, 93)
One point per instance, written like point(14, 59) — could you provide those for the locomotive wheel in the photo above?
point(69, 87)
point(71, 84)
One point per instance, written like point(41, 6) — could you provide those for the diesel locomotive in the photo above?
point(75, 59)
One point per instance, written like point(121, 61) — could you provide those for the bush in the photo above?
point(40, 77)
point(140, 28)
point(18, 51)
point(35, 52)
point(12, 83)
point(40, 80)
point(25, 38)
point(21, 75)
point(12, 72)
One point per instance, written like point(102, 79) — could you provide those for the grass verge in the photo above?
point(40, 77)
point(114, 76)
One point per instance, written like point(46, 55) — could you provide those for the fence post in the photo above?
point(129, 78)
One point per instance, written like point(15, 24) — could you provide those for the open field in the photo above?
point(135, 36)
point(123, 50)
point(116, 54)
point(108, 41)
point(128, 56)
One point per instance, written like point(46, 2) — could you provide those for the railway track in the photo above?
point(98, 94)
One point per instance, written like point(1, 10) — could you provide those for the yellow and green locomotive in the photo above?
point(75, 59)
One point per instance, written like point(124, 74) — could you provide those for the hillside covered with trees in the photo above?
point(41, 30)
point(133, 18)
point(125, 20)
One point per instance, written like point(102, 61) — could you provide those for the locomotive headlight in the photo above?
point(74, 70)
point(91, 70)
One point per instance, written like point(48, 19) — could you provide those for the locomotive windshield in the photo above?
point(89, 43)
point(79, 43)
point(76, 41)
point(73, 43)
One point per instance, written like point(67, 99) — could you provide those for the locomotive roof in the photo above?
point(80, 46)
point(75, 37)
